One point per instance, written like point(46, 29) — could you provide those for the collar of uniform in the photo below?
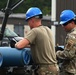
point(72, 30)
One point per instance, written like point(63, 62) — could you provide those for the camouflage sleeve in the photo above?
point(69, 49)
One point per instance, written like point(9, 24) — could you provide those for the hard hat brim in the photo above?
point(62, 22)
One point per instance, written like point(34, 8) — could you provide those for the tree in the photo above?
point(42, 4)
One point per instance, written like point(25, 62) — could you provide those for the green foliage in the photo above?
point(45, 6)
point(2, 4)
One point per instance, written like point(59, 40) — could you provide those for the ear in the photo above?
point(72, 22)
point(33, 19)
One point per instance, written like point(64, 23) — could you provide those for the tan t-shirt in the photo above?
point(42, 45)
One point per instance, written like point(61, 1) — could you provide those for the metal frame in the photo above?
point(9, 8)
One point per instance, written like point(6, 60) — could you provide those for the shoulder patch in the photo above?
point(69, 44)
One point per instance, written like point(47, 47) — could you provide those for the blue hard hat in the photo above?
point(33, 11)
point(66, 16)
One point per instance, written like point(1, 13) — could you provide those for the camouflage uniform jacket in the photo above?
point(69, 52)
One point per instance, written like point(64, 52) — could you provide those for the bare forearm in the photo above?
point(22, 44)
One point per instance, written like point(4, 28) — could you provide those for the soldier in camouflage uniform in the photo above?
point(68, 21)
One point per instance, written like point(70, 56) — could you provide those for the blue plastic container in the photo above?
point(14, 57)
point(1, 59)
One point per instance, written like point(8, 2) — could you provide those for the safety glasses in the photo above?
point(65, 24)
